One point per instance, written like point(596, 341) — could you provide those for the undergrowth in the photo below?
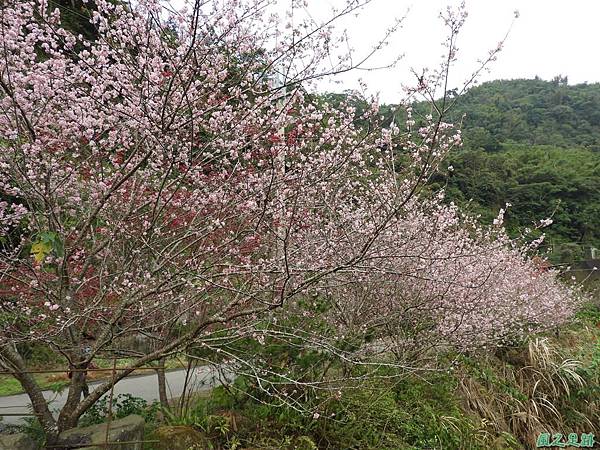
point(488, 401)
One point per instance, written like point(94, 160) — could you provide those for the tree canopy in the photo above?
point(534, 112)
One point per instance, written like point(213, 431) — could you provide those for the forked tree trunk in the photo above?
point(67, 418)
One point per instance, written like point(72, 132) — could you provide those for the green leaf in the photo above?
point(40, 250)
point(46, 243)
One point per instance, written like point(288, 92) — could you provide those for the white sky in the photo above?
point(550, 37)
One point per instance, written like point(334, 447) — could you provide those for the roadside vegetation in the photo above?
point(500, 400)
point(362, 277)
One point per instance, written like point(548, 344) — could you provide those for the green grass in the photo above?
point(10, 386)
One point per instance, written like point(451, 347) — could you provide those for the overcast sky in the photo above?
point(550, 37)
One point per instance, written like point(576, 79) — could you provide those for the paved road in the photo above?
point(144, 386)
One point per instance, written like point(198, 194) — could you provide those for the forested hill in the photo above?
point(532, 143)
point(536, 145)
point(531, 112)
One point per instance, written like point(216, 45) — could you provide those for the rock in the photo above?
point(180, 438)
point(18, 441)
point(130, 428)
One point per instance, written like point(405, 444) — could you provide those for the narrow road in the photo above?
point(144, 386)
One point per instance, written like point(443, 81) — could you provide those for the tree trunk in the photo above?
point(162, 384)
point(67, 419)
point(14, 363)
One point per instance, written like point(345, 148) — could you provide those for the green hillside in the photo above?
point(534, 144)
point(532, 112)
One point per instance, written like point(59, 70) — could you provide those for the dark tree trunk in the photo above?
point(67, 419)
point(13, 362)
point(162, 384)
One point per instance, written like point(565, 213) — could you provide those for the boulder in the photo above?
point(18, 441)
point(127, 429)
point(180, 438)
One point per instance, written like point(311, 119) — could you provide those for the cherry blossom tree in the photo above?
point(156, 182)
